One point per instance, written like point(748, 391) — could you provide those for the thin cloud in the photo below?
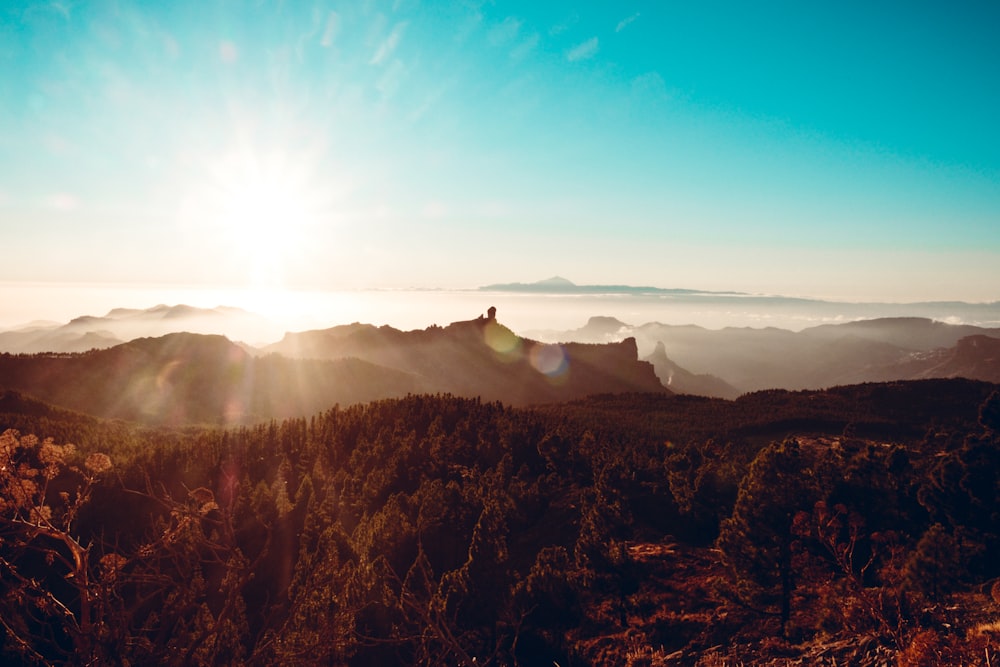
point(390, 81)
point(331, 30)
point(171, 48)
point(467, 27)
point(523, 49)
point(626, 22)
point(63, 10)
point(650, 85)
point(505, 32)
point(229, 53)
point(564, 25)
point(389, 44)
point(430, 100)
point(583, 51)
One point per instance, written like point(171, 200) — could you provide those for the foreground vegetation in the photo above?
point(859, 525)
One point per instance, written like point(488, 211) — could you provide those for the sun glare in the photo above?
point(259, 211)
point(266, 222)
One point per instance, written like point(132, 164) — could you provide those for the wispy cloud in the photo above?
point(650, 85)
point(391, 79)
point(625, 22)
point(62, 9)
point(468, 26)
point(583, 50)
point(430, 100)
point(505, 32)
point(331, 30)
point(389, 44)
point(523, 49)
point(229, 53)
point(170, 47)
point(564, 25)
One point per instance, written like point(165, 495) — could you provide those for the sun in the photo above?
point(260, 212)
point(266, 222)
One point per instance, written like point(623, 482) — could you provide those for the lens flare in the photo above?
point(550, 360)
point(502, 341)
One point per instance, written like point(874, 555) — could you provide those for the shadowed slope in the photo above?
point(483, 358)
point(190, 378)
point(683, 381)
point(753, 359)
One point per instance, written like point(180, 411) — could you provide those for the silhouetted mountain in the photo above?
point(683, 381)
point(973, 357)
point(483, 358)
point(55, 339)
point(193, 378)
point(89, 332)
point(560, 285)
point(187, 378)
point(748, 359)
point(600, 330)
point(753, 359)
point(912, 333)
point(554, 281)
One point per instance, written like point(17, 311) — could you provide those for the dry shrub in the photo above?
point(924, 649)
point(991, 628)
point(929, 647)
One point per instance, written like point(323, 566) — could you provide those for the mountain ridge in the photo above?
point(559, 285)
point(184, 377)
point(751, 359)
point(120, 325)
point(717, 362)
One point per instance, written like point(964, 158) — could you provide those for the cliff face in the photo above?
point(973, 357)
point(682, 381)
point(484, 358)
point(730, 361)
point(610, 368)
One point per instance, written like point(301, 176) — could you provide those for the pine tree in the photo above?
point(934, 565)
point(758, 540)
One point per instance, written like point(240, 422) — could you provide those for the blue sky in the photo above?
point(845, 150)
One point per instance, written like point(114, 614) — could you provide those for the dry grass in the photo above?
point(990, 628)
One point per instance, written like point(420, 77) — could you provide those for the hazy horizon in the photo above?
point(524, 312)
point(845, 152)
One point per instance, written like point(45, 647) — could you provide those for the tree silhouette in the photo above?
point(758, 540)
point(55, 586)
point(989, 413)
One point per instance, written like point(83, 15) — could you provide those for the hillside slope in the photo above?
point(752, 359)
point(190, 378)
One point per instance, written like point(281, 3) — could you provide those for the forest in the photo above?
point(855, 525)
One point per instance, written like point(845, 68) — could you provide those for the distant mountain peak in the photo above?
point(555, 281)
point(560, 285)
point(605, 320)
